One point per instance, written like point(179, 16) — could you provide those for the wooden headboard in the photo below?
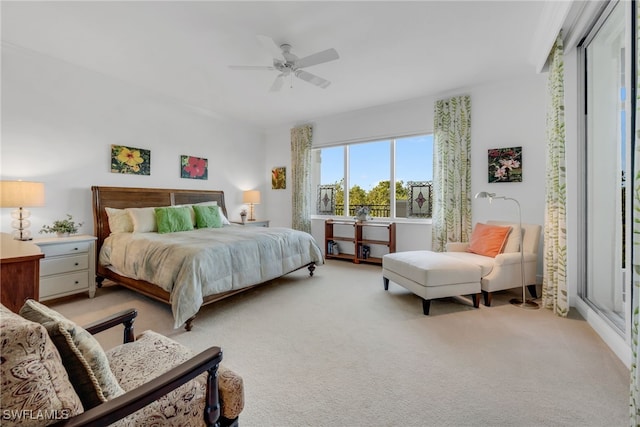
point(126, 197)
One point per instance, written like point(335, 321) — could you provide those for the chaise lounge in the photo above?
point(489, 263)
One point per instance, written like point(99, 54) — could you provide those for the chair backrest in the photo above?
point(531, 237)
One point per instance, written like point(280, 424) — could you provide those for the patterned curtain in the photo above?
point(301, 177)
point(554, 282)
point(451, 172)
point(635, 289)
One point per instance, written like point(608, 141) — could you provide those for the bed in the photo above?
point(190, 269)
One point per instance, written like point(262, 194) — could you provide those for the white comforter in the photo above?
point(193, 264)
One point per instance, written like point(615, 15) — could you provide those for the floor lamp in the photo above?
point(522, 303)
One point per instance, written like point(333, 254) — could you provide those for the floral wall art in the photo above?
point(279, 178)
point(194, 167)
point(130, 160)
point(505, 164)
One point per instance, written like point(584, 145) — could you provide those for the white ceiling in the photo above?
point(389, 50)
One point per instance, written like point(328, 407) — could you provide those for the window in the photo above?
point(371, 170)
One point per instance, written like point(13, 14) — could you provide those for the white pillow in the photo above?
point(513, 241)
point(119, 220)
point(144, 219)
point(224, 219)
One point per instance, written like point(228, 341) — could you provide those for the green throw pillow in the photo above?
point(207, 216)
point(172, 219)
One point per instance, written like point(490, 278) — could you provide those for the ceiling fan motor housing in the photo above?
point(289, 64)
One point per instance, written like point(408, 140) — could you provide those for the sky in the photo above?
point(370, 162)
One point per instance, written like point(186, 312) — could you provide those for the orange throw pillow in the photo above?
point(488, 240)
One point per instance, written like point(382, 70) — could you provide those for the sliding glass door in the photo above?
point(606, 73)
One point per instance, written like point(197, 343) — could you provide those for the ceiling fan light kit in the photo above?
point(289, 64)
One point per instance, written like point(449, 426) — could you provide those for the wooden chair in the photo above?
point(153, 373)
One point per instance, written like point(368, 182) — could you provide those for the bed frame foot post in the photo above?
point(311, 267)
point(99, 280)
point(189, 323)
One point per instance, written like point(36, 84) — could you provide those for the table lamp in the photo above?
point(21, 195)
point(252, 197)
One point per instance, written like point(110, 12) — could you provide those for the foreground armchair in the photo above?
point(152, 380)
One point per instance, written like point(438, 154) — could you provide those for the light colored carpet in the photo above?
point(337, 350)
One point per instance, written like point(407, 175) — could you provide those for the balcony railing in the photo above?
point(384, 211)
point(379, 211)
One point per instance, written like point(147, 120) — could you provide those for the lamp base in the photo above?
point(527, 305)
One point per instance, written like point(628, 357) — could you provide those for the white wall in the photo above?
point(504, 114)
point(59, 121)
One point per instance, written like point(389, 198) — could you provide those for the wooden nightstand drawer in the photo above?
point(53, 286)
point(66, 248)
point(65, 264)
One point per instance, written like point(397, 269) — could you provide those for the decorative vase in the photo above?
point(363, 217)
point(62, 234)
point(243, 218)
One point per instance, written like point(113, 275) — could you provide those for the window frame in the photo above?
point(392, 140)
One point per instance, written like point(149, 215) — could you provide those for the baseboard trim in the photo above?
point(611, 337)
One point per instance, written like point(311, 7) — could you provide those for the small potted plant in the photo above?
point(243, 215)
point(62, 227)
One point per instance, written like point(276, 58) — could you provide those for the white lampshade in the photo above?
point(21, 194)
point(251, 196)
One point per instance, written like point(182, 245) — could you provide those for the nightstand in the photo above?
point(19, 271)
point(68, 267)
point(256, 223)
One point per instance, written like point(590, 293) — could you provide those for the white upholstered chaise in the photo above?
point(456, 272)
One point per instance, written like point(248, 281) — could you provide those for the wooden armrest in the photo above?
point(125, 317)
point(121, 406)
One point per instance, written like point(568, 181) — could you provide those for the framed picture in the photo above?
point(326, 200)
point(505, 164)
point(279, 178)
point(194, 167)
point(130, 160)
point(420, 199)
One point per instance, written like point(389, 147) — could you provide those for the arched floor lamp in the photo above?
point(522, 303)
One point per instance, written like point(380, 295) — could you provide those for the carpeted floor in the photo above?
point(337, 350)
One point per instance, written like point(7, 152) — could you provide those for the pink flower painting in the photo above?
point(193, 167)
point(505, 164)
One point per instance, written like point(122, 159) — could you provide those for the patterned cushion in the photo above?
point(183, 406)
point(82, 355)
point(35, 387)
point(231, 390)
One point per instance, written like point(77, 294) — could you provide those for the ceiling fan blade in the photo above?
point(313, 79)
point(317, 58)
point(277, 83)
point(271, 46)
point(252, 67)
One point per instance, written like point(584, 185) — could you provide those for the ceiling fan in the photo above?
point(289, 64)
